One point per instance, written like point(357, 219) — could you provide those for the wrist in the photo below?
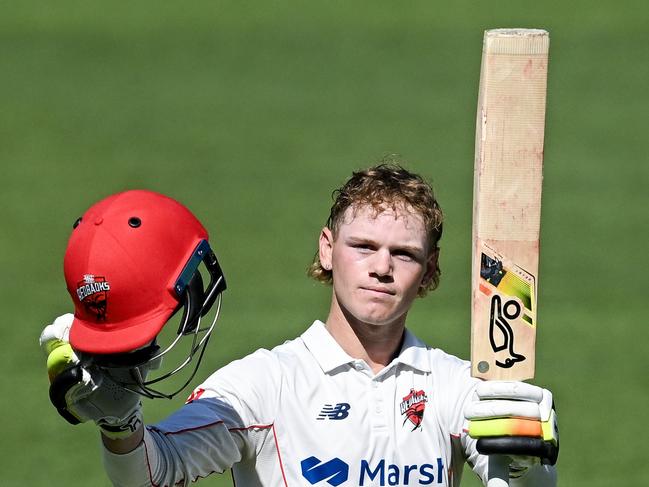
point(120, 429)
point(124, 445)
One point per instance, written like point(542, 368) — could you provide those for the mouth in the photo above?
point(379, 290)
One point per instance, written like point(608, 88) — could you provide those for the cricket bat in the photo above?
point(507, 207)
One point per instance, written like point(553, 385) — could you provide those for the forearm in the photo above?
point(128, 469)
point(126, 445)
point(153, 461)
point(165, 457)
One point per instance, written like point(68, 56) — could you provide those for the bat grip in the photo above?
point(498, 471)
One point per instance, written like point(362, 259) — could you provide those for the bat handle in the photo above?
point(498, 471)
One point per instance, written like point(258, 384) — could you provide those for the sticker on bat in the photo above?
point(511, 282)
point(501, 335)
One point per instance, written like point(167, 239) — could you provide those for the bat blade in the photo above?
point(510, 128)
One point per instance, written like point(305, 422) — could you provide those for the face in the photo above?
point(378, 261)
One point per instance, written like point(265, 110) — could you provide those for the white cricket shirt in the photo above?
point(306, 413)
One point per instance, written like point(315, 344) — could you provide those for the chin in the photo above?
point(372, 313)
point(376, 319)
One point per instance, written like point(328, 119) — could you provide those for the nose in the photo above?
point(382, 263)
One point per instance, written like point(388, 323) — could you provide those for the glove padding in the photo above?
point(515, 419)
point(82, 392)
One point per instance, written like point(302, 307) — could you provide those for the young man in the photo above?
point(356, 400)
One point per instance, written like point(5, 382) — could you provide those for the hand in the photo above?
point(514, 419)
point(82, 392)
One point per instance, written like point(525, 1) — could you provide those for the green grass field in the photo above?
point(252, 112)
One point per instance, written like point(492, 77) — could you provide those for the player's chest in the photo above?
point(372, 431)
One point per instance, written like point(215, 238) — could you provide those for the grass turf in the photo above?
point(252, 112)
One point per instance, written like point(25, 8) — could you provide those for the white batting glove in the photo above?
point(515, 419)
point(83, 393)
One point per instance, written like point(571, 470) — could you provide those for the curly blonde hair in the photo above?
point(385, 185)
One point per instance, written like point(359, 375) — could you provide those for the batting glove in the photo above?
point(83, 393)
point(515, 419)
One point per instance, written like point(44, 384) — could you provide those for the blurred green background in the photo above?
point(251, 112)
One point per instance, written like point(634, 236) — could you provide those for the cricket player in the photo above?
point(355, 400)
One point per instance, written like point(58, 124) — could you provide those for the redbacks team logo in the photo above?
point(412, 407)
point(93, 294)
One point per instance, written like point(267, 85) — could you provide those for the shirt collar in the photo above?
point(330, 355)
point(324, 347)
point(414, 353)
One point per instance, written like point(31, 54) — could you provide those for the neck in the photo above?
point(377, 345)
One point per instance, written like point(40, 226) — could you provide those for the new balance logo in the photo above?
point(335, 471)
point(335, 412)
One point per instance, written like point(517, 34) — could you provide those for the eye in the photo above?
point(404, 255)
point(363, 247)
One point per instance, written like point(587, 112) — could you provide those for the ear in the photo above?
point(431, 267)
point(325, 246)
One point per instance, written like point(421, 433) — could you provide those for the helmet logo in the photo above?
point(93, 294)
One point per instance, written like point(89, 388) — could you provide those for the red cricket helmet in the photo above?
point(132, 262)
